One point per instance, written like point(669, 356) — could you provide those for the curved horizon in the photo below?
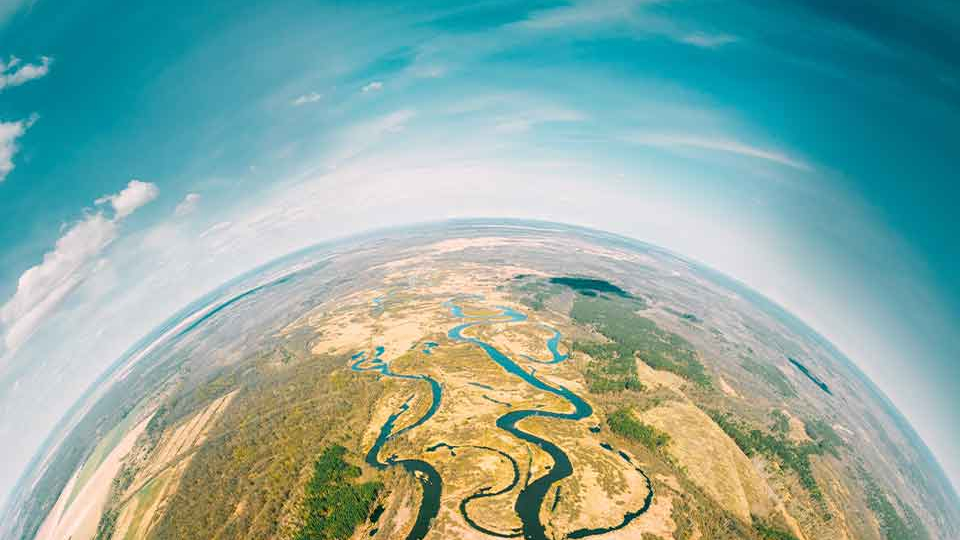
point(181, 317)
point(806, 151)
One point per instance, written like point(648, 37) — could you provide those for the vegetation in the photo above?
point(108, 522)
point(781, 424)
point(791, 455)
point(771, 375)
point(624, 424)
point(768, 532)
point(107, 412)
point(682, 515)
point(826, 437)
point(610, 371)
point(893, 525)
point(256, 454)
point(631, 335)
point(697, 516)
point(334, 504)
point(534, 293)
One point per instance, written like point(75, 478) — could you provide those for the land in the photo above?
point(677, 398)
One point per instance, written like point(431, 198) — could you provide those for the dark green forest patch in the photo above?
point(623, 423)
point(335, 504)
point(631, 335)
point(790, 455)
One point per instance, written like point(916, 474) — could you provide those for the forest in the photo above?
point(335, 504)
point(623, 423)
point(630, 336)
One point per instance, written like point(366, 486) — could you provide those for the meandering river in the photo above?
point(531, 498)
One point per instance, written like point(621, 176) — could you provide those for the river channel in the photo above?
point(531, 498)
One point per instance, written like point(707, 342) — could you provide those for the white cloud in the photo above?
point(362, 136)
point(391, 123)
point(15, 73)
point(581, 13)
point(515, 112)
point(428, 71)
point(312, 97)
point(627, 15)
point(730, 146)
point(707, 41)
point(135, 195)
point(188, 205)
point(73, 260)
point(9, 133)
point(372, 87)
point(527, 119)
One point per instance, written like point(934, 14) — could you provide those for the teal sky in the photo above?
point(150, 153)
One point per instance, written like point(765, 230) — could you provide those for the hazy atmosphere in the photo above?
point(148, 154)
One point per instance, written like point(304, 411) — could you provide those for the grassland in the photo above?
point(242, 482)
point(770, 375)
point(791, 455)
point(636, 360)
point(894, 525)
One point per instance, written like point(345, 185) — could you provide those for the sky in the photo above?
point(150, 153)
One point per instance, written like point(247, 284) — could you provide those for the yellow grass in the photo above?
point(78, 519)
point(713, 461)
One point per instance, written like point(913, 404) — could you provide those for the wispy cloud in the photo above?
point(389, 123)
point(581, 13)
point(312, 97)
point(724, 145)
point(10, 132)
point(427, 71)
point(372, 87)
point(188, 205)
point(525, 120)
point(628, 15)
point(358, 138)
point(707, 41)
point(514, 112)
point(14, 72)
point(73, 260)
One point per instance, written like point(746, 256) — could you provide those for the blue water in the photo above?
point(429, 478)
point(531, 497)
point(485, 491)
point(552, 345)
point(377, 364)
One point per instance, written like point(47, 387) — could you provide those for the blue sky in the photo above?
point(149, 153)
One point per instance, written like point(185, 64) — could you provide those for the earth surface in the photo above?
point(484, 380)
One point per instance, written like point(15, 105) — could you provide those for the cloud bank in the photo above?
point(135, 195)
point(75, 257)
